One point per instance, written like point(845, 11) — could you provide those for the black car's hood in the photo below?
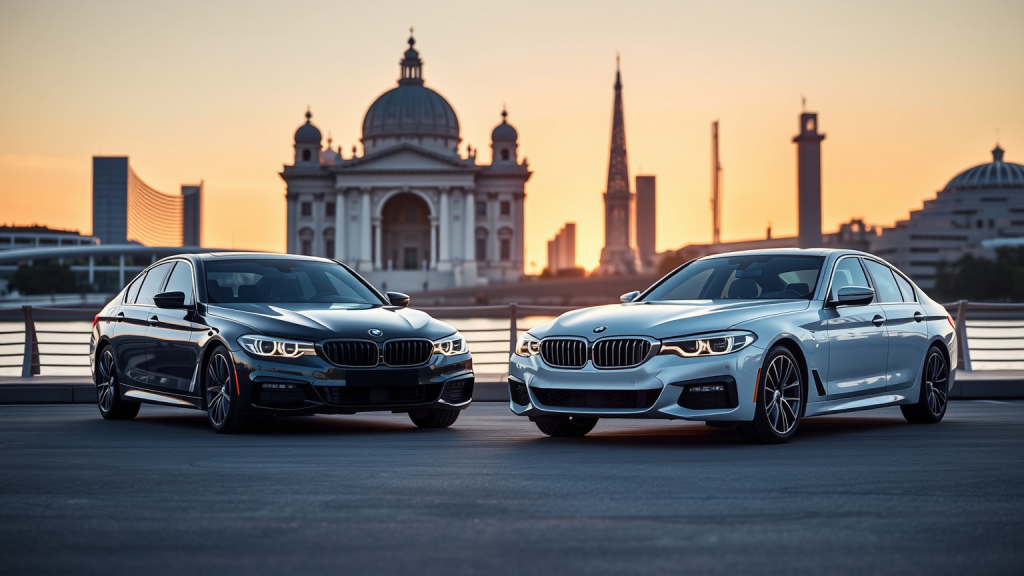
point(320, 321)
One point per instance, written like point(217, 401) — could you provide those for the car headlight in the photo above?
point(527, 346)
point(278, 347)
point(707, 344)
point(450, 346)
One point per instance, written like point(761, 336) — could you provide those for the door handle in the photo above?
point(153, 320)
point(878, 320)
point(119, 317)
point(918, 317)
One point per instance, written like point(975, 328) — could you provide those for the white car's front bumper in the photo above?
point(664, 376)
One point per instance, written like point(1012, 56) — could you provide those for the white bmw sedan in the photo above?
point(755, 340)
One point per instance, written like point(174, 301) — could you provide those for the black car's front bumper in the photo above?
point(311, 385)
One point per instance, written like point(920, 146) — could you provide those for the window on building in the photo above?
point(506, 208)
point(506, 249)
point(306, 155)
point(504, 153)
point(991, 223)
point(307, 209)
point(329, 209)
point(329, 247)
point(481, 208)
point(481, 249)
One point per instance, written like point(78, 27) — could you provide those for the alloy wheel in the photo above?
point(218, 389)
point(936, 380)
point(106, 386)
point(782, 394)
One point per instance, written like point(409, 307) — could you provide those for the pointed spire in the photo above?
point(504, 113)
point(412, 65)
point(997, 154)
point(618, 169)
point(309, 114)
point(329, 140)
point(618, 77)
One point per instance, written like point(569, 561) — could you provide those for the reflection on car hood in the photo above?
point(664, 319)
point(316, 321)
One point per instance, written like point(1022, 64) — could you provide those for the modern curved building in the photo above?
point(410, 213)
point(979, 204)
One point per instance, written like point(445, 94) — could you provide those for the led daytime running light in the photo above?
point(266, 346)
point(708, 345)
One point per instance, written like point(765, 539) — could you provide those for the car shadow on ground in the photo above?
point(283, 426)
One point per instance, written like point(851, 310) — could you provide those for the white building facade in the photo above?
point(410, 213)
point(981, 203)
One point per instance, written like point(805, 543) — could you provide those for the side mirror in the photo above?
point(853, 296)
point(171, 300)
point(398, 300)
point(629, 296)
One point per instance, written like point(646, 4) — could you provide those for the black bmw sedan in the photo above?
point(246, 336)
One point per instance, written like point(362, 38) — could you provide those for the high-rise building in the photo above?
point(646, 222)
point(127, 210)
point(192, 214)
point(808, 169)
point(562, 250)
point(618, 256)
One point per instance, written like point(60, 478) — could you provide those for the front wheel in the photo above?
point(779, 405)
point(433, 418)
point(112, 405)
point(567, 427)
point(223, 405)
point(931, 404)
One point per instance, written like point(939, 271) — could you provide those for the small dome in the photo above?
point(504, 132)
point(308, 133)
point(995, 174)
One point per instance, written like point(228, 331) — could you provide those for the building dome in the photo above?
point(995, 174)
point(504, 132)
point(411, 109)
point(307, 133)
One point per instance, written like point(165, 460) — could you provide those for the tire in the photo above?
point(112, 405)
point(433, 418)
point(781, 394)
point(932, 402)
point(567, 427)
point(220, 390)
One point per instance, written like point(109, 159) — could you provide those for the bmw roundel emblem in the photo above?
point(375, 332)
point(600, 329)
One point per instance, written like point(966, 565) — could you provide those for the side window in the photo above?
point(885, 284)
point(152, 284)
point(848, 273)
point(181, 281)
point(133, 290)
point(905, 288)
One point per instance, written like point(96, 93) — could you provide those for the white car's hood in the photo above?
point(664, 319)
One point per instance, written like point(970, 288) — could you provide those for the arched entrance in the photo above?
point(405, 233)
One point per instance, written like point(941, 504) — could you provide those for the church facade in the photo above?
point(411, 213)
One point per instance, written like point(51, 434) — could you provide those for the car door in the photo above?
point(904, 322)
point(130, 344)
point(173, 351)
point(858, 341)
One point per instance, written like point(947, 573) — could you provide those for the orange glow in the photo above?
point(908, 94)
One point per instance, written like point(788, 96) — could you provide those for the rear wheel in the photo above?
point(568, 426)
point(780, 400)
point(433, 418)
point(223, 405)
point(108, 394)
point(931, 404)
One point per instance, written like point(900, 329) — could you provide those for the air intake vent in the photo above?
point(407, 352)
point(564, 352)
point(621, 352)
point(352, 353)
point(607, 399)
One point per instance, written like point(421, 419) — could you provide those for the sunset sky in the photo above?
point(908, 93)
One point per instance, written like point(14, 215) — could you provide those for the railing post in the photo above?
point(513, 331)
point(30, 364)
point(961, 335)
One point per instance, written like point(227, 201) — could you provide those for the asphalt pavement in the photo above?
point(370, 494)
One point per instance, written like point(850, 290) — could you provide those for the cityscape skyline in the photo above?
point(868, 78)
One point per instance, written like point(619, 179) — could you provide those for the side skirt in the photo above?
point(163, 398)
point(852, 405)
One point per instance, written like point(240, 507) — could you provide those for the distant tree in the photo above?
point(44, 278)
point(981, 279)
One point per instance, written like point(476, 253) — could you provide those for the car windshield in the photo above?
point(752, 277)
point(280, 281)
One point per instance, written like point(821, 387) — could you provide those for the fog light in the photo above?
point(280, 386)
point(707, 388)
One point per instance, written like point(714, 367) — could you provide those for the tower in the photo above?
point(646, 222)
point(618, 256)
point(808, 169)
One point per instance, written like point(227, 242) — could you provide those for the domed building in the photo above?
point(979, 204)
point(411, 212)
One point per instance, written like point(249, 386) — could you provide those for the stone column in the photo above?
point(377, 245)
point(365, 234)
point(318, 225)
point(291, 206)
point(339, 226)
point(444, 259)
point(493, 242)
point(432, 253)
point(469, 239)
